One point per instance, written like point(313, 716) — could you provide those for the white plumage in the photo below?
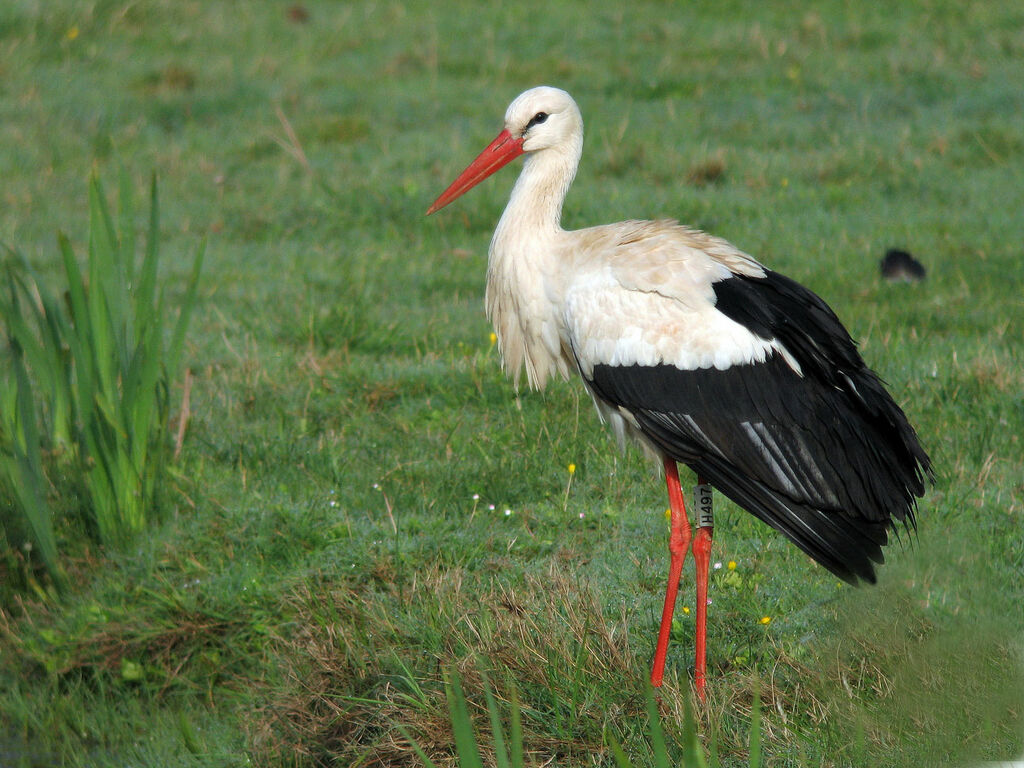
point(549, 290)
point(701, 354)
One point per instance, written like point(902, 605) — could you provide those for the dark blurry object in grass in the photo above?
point(900, 267)
point(705, 172)
point(298, 14)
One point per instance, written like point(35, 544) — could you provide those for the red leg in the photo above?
point(702, 561)
point(678, 543)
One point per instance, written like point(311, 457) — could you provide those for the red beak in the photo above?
point(499, 153)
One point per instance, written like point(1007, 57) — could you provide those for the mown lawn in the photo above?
point(363, 499)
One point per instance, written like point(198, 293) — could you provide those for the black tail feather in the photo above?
point(848, 547)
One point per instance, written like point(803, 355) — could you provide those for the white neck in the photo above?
point(535, 207)
point(521, 249)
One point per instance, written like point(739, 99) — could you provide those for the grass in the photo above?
point(323, 559)
point(508, 748)
point(100, 369)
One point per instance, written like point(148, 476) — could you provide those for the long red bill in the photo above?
point(499, 153)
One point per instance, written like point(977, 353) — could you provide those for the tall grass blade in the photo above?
point(126, 224)
point(102, 264)
point(42, 349)
point(693, 751)
point(621, 759)
point(501, 756)
point(79, 327)
point(655, 732)
point(516, 726)
point(59, 374)
point(755, 731)
point(24, 470)
point(713, 761)
point(462, 724)
point(145, 291)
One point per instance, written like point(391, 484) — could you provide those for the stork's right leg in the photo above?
point(702, 559)
point(678, 543)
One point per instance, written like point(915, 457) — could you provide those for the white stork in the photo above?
point(700, 353)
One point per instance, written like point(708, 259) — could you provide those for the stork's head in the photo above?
point(543, 117)
point(540, 118)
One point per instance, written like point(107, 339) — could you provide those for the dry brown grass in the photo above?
point(353, 673)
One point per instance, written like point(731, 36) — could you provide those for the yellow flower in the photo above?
point(732, 565)
point(572, 469)
point(494, 338)
point(668, 513)
point(72, 33)
point(766, 620)
point(686, 610)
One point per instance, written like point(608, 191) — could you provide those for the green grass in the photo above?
point(323, 560)
point(99, 361)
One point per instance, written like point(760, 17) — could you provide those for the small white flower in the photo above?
point(508, 512)
point(718, 566)
point(476, 497)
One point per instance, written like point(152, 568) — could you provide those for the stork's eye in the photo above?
point(540, 117)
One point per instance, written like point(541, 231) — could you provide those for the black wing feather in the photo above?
point(825, 457)
point(777, 307)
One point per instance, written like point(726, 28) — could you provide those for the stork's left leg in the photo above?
point(678, 543)
point(702, 561)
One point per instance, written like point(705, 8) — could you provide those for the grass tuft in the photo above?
point(95, 371)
